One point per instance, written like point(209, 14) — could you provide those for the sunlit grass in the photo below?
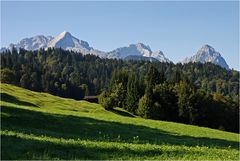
point(41, 126)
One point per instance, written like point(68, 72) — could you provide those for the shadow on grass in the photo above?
point(11, 99)
point(67, 126)
point(29, 149)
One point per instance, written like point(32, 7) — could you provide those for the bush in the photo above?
point(7, 76)
point(106, 100)
point(144, 107)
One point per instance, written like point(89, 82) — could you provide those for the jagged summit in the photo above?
point(207, 54)
point(207, 49)
point(138, 49)
point(66, 41)
point(143, 46)
point(32, 43)
point(65, 33)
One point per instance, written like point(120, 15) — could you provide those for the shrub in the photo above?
point(106, 100)
point(7, 76)
point(144, 107)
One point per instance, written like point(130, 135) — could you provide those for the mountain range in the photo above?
point(137, 51)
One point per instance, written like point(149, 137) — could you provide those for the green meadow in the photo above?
point(38, 125)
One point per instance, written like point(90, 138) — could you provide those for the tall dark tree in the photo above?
point(132, 93)
point(185, 93)
point(165, 102)
point(153, 76)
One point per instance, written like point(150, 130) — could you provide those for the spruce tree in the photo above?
point(132, 94)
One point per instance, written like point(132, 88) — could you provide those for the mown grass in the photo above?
point(41, 126)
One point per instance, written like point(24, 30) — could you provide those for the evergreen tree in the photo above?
point(132, 94)
point(25, 81)
point(153, 76)
point(184, 92)
point(165, 102)
point(144, 107)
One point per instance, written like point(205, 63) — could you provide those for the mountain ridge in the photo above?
point(66, 41)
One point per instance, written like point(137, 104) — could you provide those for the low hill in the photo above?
point(42, 126)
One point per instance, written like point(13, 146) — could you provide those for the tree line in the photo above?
point(194, 93)
point(151, 96)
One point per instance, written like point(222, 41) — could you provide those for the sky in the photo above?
point(178, 28)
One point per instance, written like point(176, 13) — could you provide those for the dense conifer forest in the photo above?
point(194, 93)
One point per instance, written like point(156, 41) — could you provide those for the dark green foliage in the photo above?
point(185, 94)
point(66, 67)
point(144, 107)
point(59, 72)
point(165, 102)
point(7, 76)
point(106, 100)
point(25, 81)
point(118, 94)
point(180, 102)
point(132, 94)
point(153, 76)
point(114, 98)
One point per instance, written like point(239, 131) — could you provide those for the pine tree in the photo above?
point(132, 94)
point(153, 76)
point(144, 107)
point(185, 94)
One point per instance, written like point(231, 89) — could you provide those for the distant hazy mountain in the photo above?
point(33, 43)
point(207, 54)
point(138, 49)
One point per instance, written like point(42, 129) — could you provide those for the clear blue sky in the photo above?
point(176, 28)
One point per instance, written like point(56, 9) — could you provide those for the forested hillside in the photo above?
point(194, 93)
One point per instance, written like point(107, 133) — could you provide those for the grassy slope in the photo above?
point(41, 126)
